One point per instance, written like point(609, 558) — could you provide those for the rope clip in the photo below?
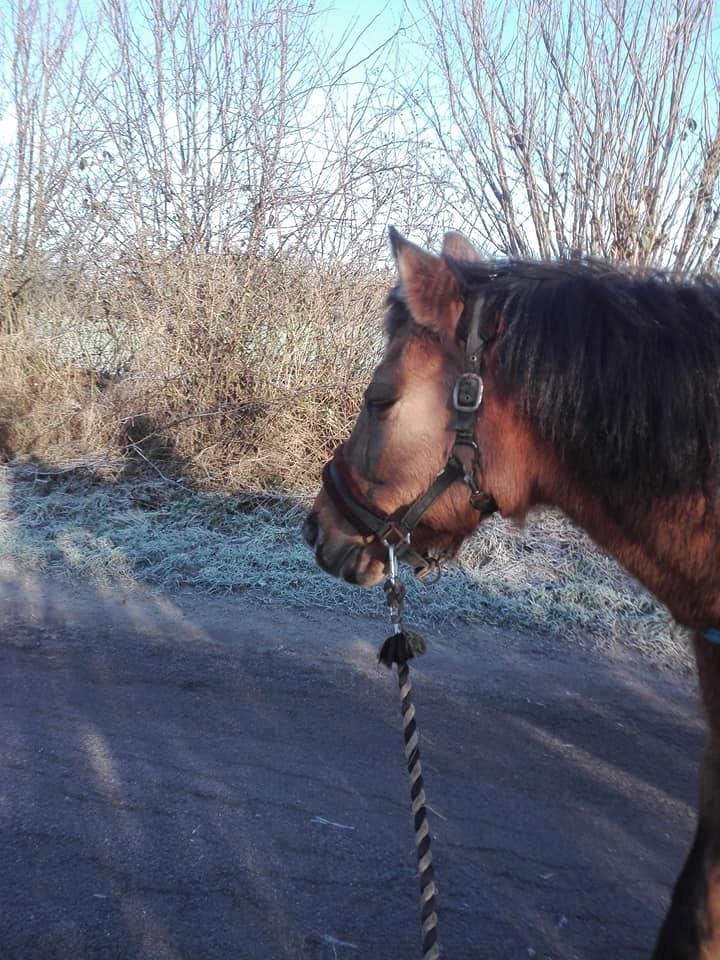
point(394, 587)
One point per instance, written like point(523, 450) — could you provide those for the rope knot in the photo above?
point(401, 647)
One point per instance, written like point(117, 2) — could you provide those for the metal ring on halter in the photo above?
point(433, 574)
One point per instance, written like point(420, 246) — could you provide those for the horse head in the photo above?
point(423, 462)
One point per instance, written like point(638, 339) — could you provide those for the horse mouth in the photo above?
point(356, 564)
point(351, 560)
point(364, 563)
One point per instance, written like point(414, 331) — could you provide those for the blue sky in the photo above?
point(379, 18)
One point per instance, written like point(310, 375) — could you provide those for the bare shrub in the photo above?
point(230, 372)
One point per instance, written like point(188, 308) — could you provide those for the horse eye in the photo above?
point(378, 403)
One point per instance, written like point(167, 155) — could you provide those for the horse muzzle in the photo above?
point(339, 548)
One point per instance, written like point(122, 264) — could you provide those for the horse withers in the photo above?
point(573, 384)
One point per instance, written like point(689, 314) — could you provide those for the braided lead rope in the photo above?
point(426, 876)
point(399, 647)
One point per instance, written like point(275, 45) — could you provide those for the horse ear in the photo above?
point(458, 247)
point(429, 289)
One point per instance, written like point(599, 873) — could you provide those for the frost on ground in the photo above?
point(546, 577)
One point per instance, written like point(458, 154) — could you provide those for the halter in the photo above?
point(395, 529)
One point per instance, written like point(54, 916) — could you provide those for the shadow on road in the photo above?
point(192, 778)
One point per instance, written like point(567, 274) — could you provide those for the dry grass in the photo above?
point(233, 374)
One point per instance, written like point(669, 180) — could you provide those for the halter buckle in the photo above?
point(468, 392)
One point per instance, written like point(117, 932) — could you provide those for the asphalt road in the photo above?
point(207, 779)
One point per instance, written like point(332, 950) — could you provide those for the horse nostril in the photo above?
point(310, 529)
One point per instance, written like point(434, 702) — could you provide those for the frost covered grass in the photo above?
point(546, 577)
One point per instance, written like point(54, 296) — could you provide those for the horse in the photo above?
point(576, 384)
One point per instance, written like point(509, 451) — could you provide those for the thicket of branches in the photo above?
point(194, 197)
point(584, 127)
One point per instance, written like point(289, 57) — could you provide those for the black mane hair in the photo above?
point(617, 369)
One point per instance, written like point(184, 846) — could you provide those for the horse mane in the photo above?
point(617, 369)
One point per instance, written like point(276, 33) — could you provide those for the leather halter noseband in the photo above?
point(395, 529)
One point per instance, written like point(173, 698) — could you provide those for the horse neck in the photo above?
point(669, 545)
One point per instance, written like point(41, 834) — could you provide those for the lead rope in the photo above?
point(400, 647)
